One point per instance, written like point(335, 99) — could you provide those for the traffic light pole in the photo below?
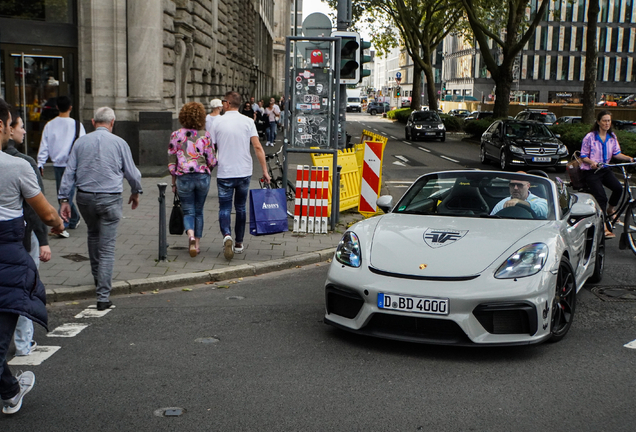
point(343, 22)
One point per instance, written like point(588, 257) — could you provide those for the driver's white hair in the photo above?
point(104, 115)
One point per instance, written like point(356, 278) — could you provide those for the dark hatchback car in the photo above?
point(461, 113)
point(515, 144)
point(479, 115)
point(541, 116)
point(378, 107)
point(424, 124)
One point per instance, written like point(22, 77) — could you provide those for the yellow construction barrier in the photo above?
point(349, 176)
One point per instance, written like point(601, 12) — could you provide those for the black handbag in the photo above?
point(175, 227)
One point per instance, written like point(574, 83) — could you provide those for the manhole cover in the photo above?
point(207, 340)
point(76, 257)
point(169, 412)
point(615, 293)
point(178, 247)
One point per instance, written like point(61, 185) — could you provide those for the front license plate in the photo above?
point(541, 159)
point(423, 305)
point(430, 133)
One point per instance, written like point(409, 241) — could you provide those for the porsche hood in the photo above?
point(443, 246)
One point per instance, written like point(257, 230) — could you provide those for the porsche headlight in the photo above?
point(526, 261)
point(348, 250)
point(440, 126)
point(418, 126)
point(516, 150)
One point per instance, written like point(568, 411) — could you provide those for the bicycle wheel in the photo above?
point(290, 193)
point(630, 226)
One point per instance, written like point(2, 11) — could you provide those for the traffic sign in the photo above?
point(398, 76)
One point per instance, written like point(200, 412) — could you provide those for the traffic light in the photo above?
point(349, 66)
point(364, 59)
point(398, 91)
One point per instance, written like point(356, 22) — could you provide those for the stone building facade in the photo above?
point(144, 58)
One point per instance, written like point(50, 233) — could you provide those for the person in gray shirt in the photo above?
point(96, 166)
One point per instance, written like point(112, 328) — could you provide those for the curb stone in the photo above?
point(175, 281)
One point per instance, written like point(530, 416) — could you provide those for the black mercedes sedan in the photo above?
point(424, 124)
point(515, 144)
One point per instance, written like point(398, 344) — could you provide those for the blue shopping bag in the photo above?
point(268, 211)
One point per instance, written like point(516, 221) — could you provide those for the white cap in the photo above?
point(216, 103)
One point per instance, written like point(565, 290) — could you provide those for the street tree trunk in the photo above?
point(416, 98)
point(589, 85)
point(430, 88)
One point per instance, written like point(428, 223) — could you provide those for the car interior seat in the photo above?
point(463, 199)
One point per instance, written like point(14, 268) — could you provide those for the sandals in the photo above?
point(192, 247)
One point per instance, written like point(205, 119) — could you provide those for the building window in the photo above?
point(577, 68)
point(614, 44)
point(530, 67)
point(622, 77)
point(604, 13)
point(582, 9)
point(579, 39)
point(553, 67)
point(544, 38)
point(565, 68)
point(567, 35)
point(542, 71)
point(568, 11)
point(626, 36)
point(59, 11)
point(556, 35)
point(600, 70)
point(602, 39)
point(628, 10)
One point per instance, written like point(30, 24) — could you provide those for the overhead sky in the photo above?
point(311, 6)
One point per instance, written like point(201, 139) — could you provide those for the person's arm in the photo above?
point(260, 155)
point(586, 151)
point(46, 212)
point(131, 173)
point(45, 253)
point(43, 152)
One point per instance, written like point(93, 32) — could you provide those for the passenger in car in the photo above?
point(520, 195)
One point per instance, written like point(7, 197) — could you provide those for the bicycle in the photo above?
point(626, 204)
point(275, 163)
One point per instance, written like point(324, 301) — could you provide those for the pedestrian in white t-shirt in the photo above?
point(232, 135)
point(216, 106)
point(57, 140)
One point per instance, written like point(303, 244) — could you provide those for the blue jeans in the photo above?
point(24, 328)
point(271, 131)
point(228, 187)
point(102, 213)
point(9, 386)
point(75, 217)
point(193, 190)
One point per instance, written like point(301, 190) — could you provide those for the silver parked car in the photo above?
point(451, 263)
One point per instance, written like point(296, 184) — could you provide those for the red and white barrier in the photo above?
point(312, 200)
point(370, 184)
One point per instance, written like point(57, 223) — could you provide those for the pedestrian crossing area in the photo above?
point(41, 353)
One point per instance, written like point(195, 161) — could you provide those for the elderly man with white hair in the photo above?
point(216, 105)
point(96, 166)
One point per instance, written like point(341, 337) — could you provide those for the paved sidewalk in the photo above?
point(136, 257)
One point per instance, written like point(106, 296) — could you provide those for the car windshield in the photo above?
point(426, 116)
point(480, 194)
point(353, 99)
point(543, 117)
point(526, 130)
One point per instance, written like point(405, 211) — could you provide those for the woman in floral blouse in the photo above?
point(191, 160)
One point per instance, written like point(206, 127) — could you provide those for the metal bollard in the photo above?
point(163, 234)
point(337, 197)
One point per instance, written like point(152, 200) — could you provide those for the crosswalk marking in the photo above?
point(91, 312)
point(631, 345)
point(67, 330)
point(37, 356)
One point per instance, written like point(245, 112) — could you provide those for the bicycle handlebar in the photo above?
point(606, 165)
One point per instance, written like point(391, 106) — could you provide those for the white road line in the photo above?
point(392, 137)
point(402, 158)
point(398, 163)
point(93, 313)
point(399, 181)
point(631, 345)
point(406, 142)
point(447, 158)
point(67, 330)
point(424, 150)
point(37, 356)
point(375, 130)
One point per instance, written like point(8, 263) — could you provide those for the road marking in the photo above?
point(392, 137)
point(67, 330)
point(398, 181)
point(631, 345)
point(450, 159)
point(424, 149)
point(406, 142)
point(37, 356)
point(402, 158)
point(375, 130)
point(91, 312)
point(398, 163)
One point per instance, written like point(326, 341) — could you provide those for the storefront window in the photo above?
point(54, 11)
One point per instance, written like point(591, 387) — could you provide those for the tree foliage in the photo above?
point(420, 25)
point(508, 26)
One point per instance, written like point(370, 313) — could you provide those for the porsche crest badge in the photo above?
point(436, 238)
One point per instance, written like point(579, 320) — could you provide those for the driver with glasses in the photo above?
point(520, 196)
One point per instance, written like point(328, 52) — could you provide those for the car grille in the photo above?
point(416, 328)
point(507, 318)
point(344, 303)
point(540, 151)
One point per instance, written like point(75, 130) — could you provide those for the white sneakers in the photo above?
point(228, 247)
point(13, 405)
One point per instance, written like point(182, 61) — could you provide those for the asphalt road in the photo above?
point(254, 355)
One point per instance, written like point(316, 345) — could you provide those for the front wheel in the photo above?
point(482, 155)
point(564, 302)
point(599, 263)
point(630, 226)
point(290, 194)
point(373, 112)
point(503, 161)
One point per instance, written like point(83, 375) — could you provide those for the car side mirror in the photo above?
point(385, 202)
point(557, 135)
point(579, 212)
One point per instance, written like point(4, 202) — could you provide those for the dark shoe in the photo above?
point(104, 305)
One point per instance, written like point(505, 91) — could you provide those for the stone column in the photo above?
point(145, 51)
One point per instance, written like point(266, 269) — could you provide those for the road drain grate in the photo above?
point(615, 293)
point(76, 257)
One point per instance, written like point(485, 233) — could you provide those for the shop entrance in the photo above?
point(31, 82)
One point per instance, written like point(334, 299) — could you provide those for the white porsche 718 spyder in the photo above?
point(468, 258)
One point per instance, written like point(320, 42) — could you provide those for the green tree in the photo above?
point(589, 85)
point(508, 27)
point(419, 25)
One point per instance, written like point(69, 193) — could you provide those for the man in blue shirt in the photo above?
point(97, 165)
point(520, 196)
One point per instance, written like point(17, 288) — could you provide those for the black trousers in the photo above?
point(604, 177)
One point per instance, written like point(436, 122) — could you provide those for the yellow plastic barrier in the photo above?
point(349, 176)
